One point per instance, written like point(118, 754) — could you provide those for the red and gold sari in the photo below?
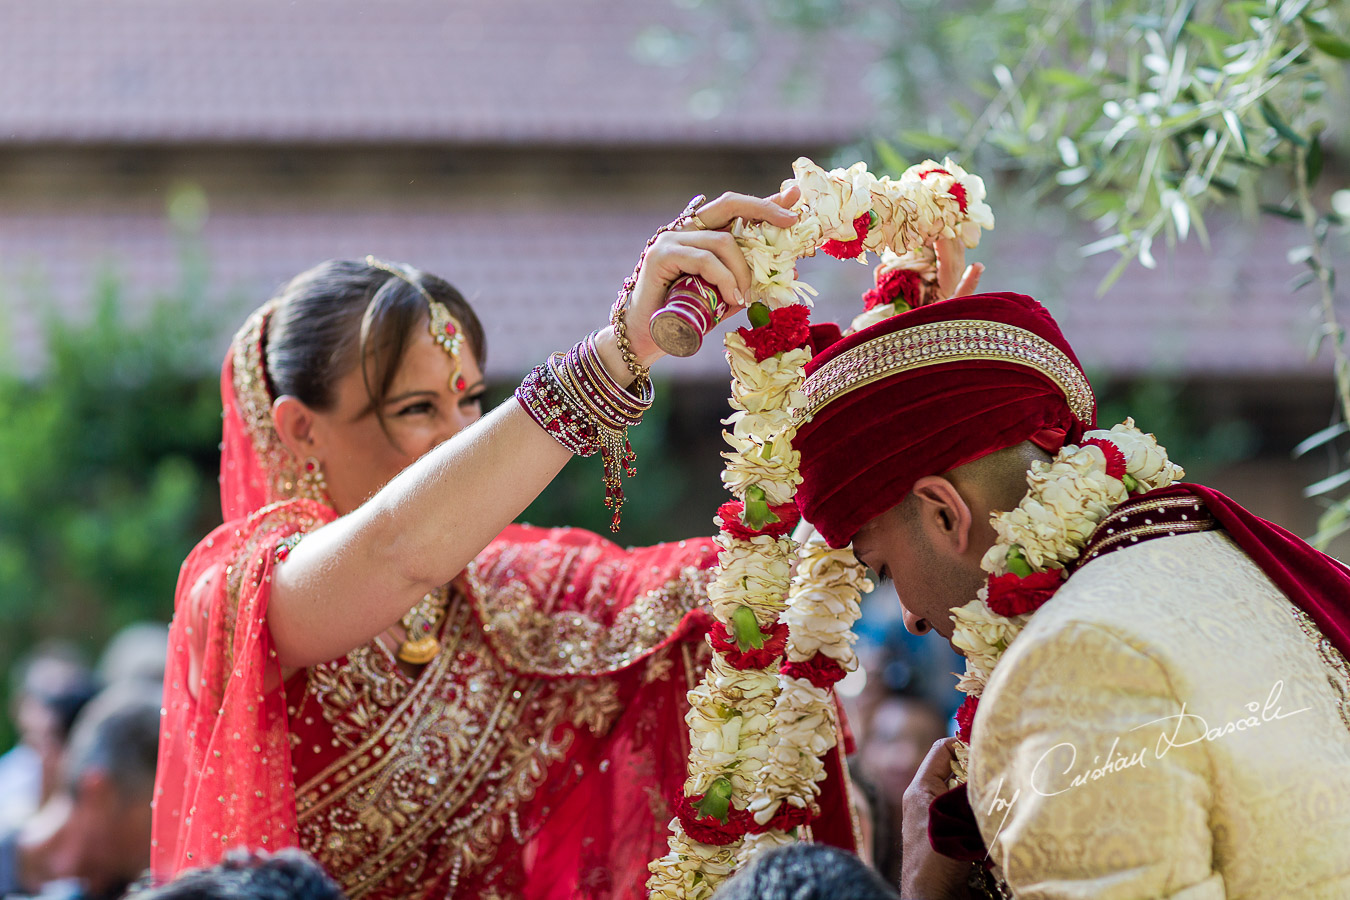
point(535, 756)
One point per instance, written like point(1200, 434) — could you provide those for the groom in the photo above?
point(1175, 720)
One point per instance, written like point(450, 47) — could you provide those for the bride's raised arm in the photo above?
point(350, 580)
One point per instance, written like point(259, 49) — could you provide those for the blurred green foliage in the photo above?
point(109, 456)
point(1201, 440)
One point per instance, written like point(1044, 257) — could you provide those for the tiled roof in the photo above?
point(1227, 312)
point(583, 72)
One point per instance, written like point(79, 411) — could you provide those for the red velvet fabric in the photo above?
point(863, 452)
point(952, 829)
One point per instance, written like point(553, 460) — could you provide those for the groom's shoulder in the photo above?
point(1157, 591)
point(1191, 611)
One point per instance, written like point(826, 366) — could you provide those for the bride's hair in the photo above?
point(344, 313)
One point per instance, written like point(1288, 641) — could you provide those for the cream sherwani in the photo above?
point(1168, 725)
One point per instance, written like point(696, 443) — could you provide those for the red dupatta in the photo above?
point(224, 774)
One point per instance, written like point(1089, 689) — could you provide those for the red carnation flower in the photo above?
point(787, 818)
point(1115, 459)
point(958, 191)
point(732, 523)
point(788, 329)
point(1013, 595)
point(820, 670)
point(965, 717)
point(775, 645)
point(707, 829)
point(850, 249)
point(903, 285)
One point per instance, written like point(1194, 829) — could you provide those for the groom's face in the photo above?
point(929, 579)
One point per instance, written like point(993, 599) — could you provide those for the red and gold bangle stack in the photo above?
point(575, 399)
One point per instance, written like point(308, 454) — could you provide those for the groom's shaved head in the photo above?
point(1002, 475)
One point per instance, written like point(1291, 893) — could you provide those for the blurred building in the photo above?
point(524, 149)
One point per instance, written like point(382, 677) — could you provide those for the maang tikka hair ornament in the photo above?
point(444, 327)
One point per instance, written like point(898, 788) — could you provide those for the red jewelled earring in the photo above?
point(312, 485)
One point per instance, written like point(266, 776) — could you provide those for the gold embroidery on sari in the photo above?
point(255, 408)
point(571, 643)
point(453, 753)
point(263, 527)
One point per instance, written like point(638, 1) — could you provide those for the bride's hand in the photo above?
point(711, 254)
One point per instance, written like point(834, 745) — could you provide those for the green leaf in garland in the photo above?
point(717, 801)
point(758, 314)
point(1130, 482)
point(757, 513)
point(1017, 563)
point(745, 629)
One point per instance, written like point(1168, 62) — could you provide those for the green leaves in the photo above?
point(109, 461)
point(745, 629)
point(757, 513)
point(1017, 563)
point(1323, 39)
point(716, 803)
point(758, 314)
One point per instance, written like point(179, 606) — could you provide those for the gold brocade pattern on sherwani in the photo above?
point(423, 776)
point(1250, 797)
point(1338, 670)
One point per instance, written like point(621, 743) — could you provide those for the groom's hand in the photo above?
point(925, 874)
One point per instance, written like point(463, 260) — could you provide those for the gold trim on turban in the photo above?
point(943, 342)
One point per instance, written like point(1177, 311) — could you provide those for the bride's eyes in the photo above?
point(476, 400)
point(420, 408)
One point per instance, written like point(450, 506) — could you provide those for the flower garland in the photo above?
point(1038, 540)
point(759, 726)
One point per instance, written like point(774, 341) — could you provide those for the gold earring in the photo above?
point(312, 485)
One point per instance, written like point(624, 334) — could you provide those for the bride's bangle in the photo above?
point(574, 398)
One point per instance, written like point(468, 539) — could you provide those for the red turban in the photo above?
point(926, 391)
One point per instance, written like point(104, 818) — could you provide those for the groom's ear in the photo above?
point(943, 513)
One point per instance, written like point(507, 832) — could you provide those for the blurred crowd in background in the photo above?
point(76, 787)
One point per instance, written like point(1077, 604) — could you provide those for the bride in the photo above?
point(368, 660)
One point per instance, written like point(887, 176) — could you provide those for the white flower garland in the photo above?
point(1066, 499)
point(824, 603)
point(757, 737)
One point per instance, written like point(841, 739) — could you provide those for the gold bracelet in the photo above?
point(641, 373)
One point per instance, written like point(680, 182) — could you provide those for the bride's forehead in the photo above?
point(424, 357)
